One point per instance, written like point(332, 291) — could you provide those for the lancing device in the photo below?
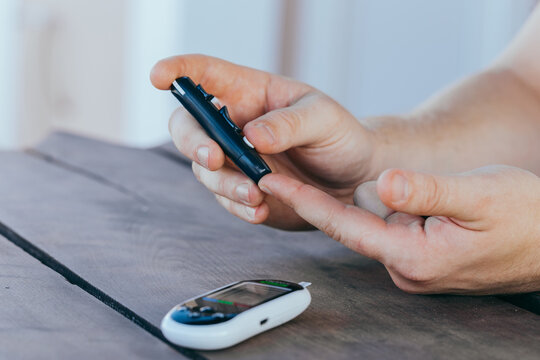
point(219, 126)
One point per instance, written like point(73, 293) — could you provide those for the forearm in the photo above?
point(490, 118)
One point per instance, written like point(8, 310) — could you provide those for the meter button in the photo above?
point(218, 315)
point(207, 96)
point(225, 113)
point(194, 314)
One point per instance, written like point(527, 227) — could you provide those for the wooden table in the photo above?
point(99, 241)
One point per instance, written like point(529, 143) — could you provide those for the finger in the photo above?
point(203, 69)
point(413, 221)
point(248, 92)
point(407, 285)
point(254, 215)
point(230, 184)
point(309, 121)
point(245, 90)
point(357, 229)
point(366, 197)
point(430, 195)
point(191, 140)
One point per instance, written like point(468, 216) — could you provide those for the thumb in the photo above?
point(305, 122)
point(429, 195)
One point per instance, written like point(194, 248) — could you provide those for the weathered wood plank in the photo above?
point(42, 316)
point(529, 301)
point(138, 226)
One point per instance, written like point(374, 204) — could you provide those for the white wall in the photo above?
point(158, 29)
point(386, 56)
point(151, 32)
point(83, 65)
point(8, 70)
point(86, 63)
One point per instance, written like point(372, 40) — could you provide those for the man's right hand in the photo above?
point(301, 132)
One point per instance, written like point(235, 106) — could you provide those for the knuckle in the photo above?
point(330, 227)
point(408, 282)
point(407, 287)
point(401, 282)
point(288, 120)
point(221, 184)
point(196, 168)
point(293, 120)
point(296, 193)
point(435, 198)
point(420, 272)
point(302, 191)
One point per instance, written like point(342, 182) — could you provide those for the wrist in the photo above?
point(395, 144)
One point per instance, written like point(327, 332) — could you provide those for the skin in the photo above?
point(475, 232)
point(300, 128)
point(491, 249)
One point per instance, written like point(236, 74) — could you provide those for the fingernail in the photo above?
point(242, 191)
point(266, 133)
point(250, 212)
point(264, 189)
point(202, 155)
point(400, 188)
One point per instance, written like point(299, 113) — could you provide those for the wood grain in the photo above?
point(138, 226)
point(42, 316)
point(528, 301)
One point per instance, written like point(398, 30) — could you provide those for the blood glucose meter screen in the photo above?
point(247, 294)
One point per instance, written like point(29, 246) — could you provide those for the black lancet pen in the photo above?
point(219, 126)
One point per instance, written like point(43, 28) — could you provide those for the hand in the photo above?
point(303, 133)
point(482, 235)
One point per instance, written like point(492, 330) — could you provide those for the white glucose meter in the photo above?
point(233, 313)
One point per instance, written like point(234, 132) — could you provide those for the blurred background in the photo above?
point(83, 65)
